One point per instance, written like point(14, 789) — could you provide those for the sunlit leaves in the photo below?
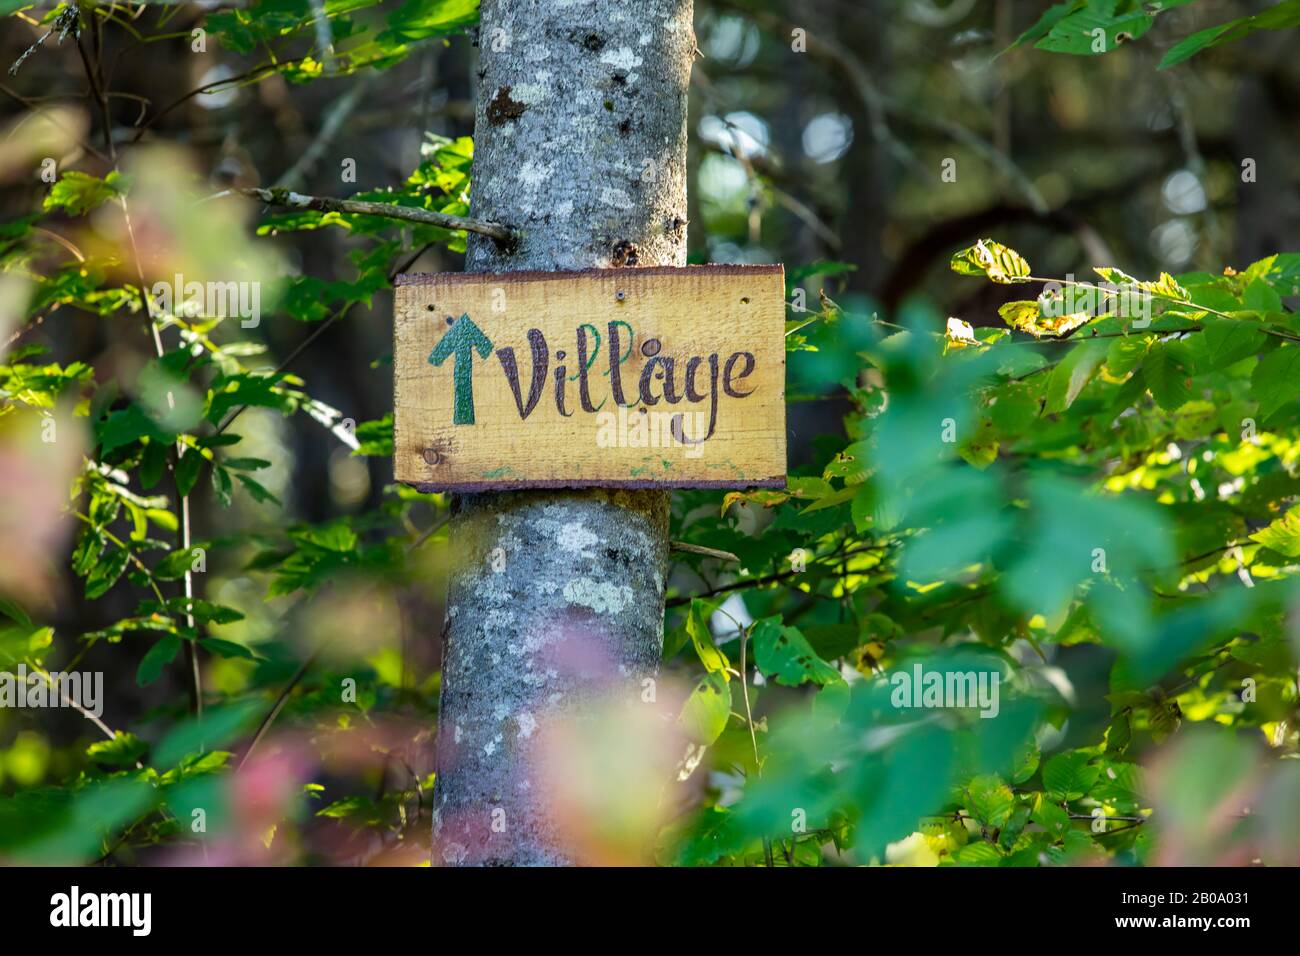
point(1028, 316)
point(697, 628)
point(122, 751)
point(992, 260)
point(39, 386)
point(23, 641)
point(126, 426)
point(1166, 287)
point(375, 438)
point(418, 20)
point(1283, 535)
point(705, 713)
point(229, 392)
point(77, 193)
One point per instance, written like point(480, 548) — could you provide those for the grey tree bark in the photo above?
point(580, 143)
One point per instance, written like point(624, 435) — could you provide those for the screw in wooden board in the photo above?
point(620, 295)
point(432, 457)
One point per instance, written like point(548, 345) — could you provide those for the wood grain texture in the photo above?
point(536, 421)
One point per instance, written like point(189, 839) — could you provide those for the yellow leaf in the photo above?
point(992, 260)
point(1028, 317)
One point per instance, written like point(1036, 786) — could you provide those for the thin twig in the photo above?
point(427, 534)
point(274, 712)
point(292, 200)
point(104, 728)
point(700, 549)
point(767, 579)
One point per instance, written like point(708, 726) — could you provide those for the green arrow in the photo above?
point(461, 341)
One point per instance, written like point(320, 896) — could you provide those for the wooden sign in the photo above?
point(617, 377)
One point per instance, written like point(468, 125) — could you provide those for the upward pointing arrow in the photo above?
point(462, 340)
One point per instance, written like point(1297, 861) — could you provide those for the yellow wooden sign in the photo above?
point(616, 377)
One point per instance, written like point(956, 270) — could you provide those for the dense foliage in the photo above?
point(1084, 498)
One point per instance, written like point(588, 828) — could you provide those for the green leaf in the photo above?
point(808, 487)
point(1283, 535)
point(1126, 353)
point(1261, 297)
point(1072, 373)
point(222, 485)
point(1228, 341)
point(23, 642)
point(784, 654)
point(1068, 776)
point(243, 388)
point(14, 612)
point(1280, 17)
point(106, 573)
point(157, 657)
point(1090, 32)
point(375, 438)
point(697, 628)
point(990, 801)
point(258, 491)
point(1025, 762)
point(224, 648)
point(421, 19)
point(1166, 287)
point(1050, 17)
point(332, 537)
point(188, 467)
point(122, 751)
point(978, 854)
point(245, 464)
point(1167, 374)
point(78, 193)
point(1276, 379)
point(125, 426)
point(1052, 817)
point(204, 612)
point(705, 713)
point(176, 564)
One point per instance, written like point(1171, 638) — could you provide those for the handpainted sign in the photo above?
point(667, 377)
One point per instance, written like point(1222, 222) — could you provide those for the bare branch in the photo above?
point(701, 549)
point(293, 200)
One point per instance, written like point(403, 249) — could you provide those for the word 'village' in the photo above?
point(669, 377)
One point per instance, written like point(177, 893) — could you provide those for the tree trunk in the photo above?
point(580, 143)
